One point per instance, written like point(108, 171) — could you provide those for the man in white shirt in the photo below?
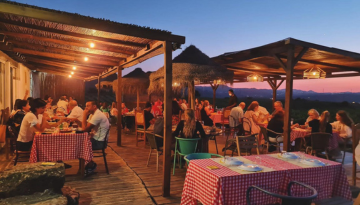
point(98, 125)
point(236, 115)
point(62, 105)
point(75, 111)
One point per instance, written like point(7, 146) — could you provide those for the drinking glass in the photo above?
point(292, 121)
point(202, 122)
point(258, 160)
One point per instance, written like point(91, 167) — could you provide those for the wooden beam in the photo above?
point(87, 22)
point(167, 118)
point(57, 73)
point(64, 57)
point(94, 39)
point(119, 102)
point(62, 69)
point(64, 65)
point(277, 58)
point(234, 68)
point(137, 99)
point(300, 55)
point(98, 46)
point(80, 54)
point(141, 53)
point(288, 97)
point(281, 81)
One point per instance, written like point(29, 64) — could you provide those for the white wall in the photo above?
point(20, 80)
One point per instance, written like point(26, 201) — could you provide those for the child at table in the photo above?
point(35, 120)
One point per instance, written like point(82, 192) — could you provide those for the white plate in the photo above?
point(313, 162)
point(288, 155)
point(250, 167)
point(232, 161)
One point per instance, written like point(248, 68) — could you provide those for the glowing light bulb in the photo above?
point(255, 77)
point(74, 68)
point(92, 45)
point(72, 73)
point(69, 76)
point(314, 73)
point(86, 59)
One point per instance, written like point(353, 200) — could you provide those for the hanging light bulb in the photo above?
point(69, 76)
point(72, 73)
point(86, 59)
point(92, 45)
point(314, 73)
point(255, 78)
point(74, 68)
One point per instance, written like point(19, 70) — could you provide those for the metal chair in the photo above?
point(11, 138)
point(270, 140)
point(225, 119)
point(355, 139)
point(247, 126)
point(192, 156)
point(345, 148)
point(319, 143)
point(286, 199)
point(154, 147)
point(101, 152)
point(247, 143)
point(183, 147)
point(230, 143)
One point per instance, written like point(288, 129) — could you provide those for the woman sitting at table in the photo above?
point(313, 115)
point(33, 121)
point(343, 124)
point(205, 113)
point(321, 125)
point(250, 121)
point(276, 124)
point(189, 128)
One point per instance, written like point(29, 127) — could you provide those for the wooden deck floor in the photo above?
point(130, 181)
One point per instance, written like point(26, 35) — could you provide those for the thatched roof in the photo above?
point(190, 65)
point(136, 79)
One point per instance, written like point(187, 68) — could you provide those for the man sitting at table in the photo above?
point(236, 115)
point(62, 105)
point(75, 111)
point(98, 125)
point(149, 118)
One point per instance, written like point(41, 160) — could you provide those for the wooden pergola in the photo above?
point(287, 60)
point(56, 42)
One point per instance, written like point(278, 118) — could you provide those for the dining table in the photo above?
point(59, 146)
point(216, 117)
point(211, 181)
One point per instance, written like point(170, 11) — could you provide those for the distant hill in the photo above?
point(222, 92)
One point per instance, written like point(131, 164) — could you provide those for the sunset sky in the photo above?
point(216, 27)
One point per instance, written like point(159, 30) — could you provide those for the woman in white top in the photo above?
point(33, 121)
point(343, 124)
point(251, 119)
point(114, 110)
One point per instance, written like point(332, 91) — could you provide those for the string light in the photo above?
point(86, 59)
point(69, 76)
point(74, 68)
point(92, 45)
point(72, 73)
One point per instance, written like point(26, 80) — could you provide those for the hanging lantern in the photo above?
point(314, 73)
point(219, 82)
point(255, 78)
point(176, 84)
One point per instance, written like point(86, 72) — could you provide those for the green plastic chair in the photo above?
point(200, 156)
point(186, 146)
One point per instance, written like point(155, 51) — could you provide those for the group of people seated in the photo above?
point(30, 116)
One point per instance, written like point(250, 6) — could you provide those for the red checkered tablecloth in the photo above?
point(61, 146)
point(225, 186)
point(298, 133)
point(216, 117)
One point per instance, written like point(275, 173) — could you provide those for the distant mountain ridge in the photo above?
point(222, 92)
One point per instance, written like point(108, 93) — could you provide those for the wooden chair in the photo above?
point(140, 126)
point(154, 147)
point(10, 145)
point(225, 119)
point(319, 143)
point(23, 155)
point(101, 152)
point(247, 143)
point(355, 139)
point(247, 126)
point(344, 147)
point(270, 140)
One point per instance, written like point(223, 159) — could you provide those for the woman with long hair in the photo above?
point(343, 124)
point(320, 124)
point(250, 122)
point(205, 113)
point(188, 128)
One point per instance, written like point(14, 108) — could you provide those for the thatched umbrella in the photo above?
point(192, 67)
point(134, 82)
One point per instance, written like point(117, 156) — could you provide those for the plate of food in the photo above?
point(288, 155)
point(231, 161)
point(250, 168)
point(313, 162)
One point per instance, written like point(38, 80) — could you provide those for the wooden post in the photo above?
point(192, 103)
point(214, 87)
point(137, 99)
point(189, 94)
point(274, 86)
point(119, 101)
point(99, 88)
point(288, 96)
point(167, 118)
